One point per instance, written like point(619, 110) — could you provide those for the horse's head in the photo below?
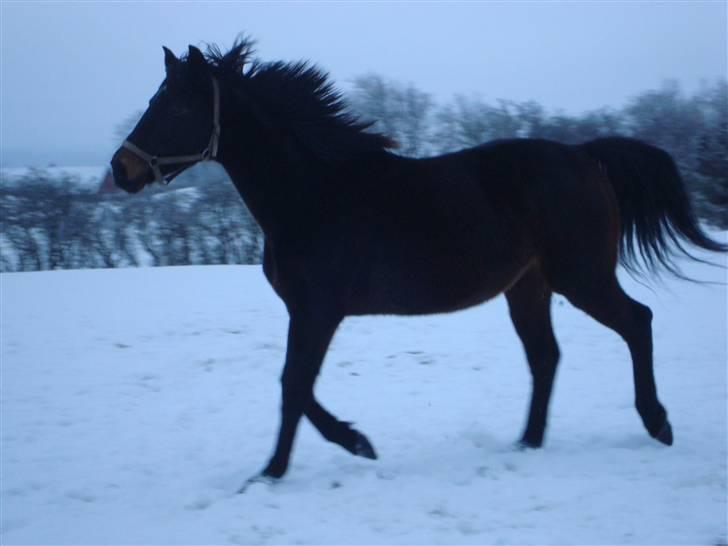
point(180, 127)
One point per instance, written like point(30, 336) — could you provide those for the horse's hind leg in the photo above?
point(529, 302)
point(339, 432)
point(601, 297)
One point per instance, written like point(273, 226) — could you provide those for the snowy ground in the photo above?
point(135, 402)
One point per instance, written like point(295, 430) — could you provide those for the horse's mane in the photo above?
point(298, 99)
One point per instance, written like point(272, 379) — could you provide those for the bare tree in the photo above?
point(402, 112)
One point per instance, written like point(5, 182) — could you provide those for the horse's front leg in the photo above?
point(309, 334)
point(339, 432)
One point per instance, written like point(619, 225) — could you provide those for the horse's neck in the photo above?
point(281, 193)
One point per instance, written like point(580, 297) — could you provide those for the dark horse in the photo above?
point(353, 229)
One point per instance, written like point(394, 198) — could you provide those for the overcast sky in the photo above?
point(72, 71)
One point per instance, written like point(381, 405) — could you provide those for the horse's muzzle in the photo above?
point(128, 174)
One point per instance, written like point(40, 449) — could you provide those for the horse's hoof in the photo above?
point(665, 434)
point(523, 444)
point(363, 448)
point(259, 478)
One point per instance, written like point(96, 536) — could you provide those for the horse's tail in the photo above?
point(656, 214)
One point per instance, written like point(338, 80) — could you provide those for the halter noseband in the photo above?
point(210, 152)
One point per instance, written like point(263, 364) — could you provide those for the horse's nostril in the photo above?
point(119, 171)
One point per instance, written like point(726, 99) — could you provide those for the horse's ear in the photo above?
point(196, 59)
point(170, 60)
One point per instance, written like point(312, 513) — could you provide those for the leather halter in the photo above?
point(210, 152)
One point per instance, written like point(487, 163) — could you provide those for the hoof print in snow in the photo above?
point(482, 471)
point(386, 475)
point(439, 512)
point(82, 496)
point(198, 504)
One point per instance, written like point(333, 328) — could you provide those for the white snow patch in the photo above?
point(135, 402)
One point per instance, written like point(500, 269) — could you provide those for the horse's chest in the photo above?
point(273, 271)
point(300, 273)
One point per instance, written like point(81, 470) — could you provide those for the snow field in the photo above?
point(135, 402)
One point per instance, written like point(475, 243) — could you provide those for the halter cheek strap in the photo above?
point(210, 152)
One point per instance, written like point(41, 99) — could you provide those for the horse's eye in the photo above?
point(179, 110)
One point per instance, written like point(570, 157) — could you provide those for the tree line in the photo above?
point(692, 128)
point(49, 222)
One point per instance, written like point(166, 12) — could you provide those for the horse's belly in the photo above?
point(439, 284)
